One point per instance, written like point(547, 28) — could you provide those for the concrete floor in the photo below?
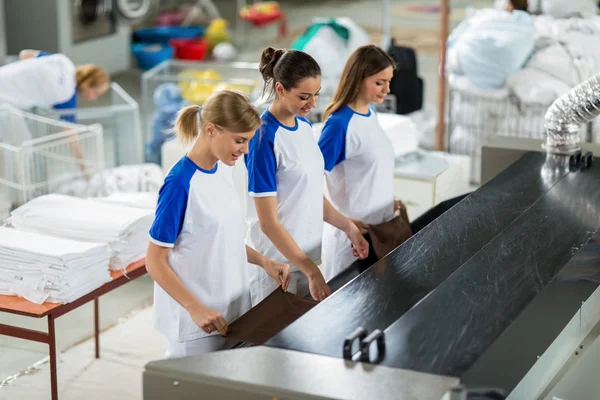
point(16, 355)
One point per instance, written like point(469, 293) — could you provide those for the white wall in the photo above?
point(111, 52)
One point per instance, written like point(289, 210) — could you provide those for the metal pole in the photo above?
point(444, 27)
point(386, 39)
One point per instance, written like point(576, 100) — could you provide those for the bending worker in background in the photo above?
point(60, 83)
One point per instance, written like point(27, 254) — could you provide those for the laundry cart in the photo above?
point(198, 80)
point(475, 117)
point(121, 126)
point(40, 155)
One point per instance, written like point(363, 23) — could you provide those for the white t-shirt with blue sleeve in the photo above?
point(359, 165)
point(199, 217)
point(286, 162)
point(359, 176)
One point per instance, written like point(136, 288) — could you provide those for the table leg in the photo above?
point(97, 327)
point(52, 345)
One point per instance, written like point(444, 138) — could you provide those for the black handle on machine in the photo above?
point(581, 161)
point(586, 160)
point(359, 333)
point(365, 346)
point(575, 159)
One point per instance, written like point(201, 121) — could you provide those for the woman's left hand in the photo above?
point(278, 271)
point(360, 246)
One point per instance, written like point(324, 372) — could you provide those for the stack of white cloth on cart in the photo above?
point(45, 268)
point(124, 229)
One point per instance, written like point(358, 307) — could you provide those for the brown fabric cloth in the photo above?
point(269, 317)
point(389, 235)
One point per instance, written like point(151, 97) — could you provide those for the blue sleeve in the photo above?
point(43, 53)
point(68, 105)
point(261, 164)
point(170, 213)
point(332, 142)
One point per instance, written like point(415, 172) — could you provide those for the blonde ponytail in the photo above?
point(227, 109)
point(186, 124)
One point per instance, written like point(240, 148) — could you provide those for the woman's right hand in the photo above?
point(318, 287)
point(362, 227)
point(209, 320)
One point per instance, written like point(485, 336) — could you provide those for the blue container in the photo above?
point(150, 55)
point(162, 34)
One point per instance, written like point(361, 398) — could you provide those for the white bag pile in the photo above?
point(125, 229)
point(44, 268)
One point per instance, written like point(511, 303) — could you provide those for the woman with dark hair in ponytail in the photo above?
point(196, 254)
point(359, 157)
point(285, 179)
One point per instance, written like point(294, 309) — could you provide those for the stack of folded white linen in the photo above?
point(125, 229)
point(145, 200)
point(45, 268)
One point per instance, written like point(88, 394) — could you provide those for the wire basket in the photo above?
point(38, 155)
point(197, 80)
point(121, 126)
point(474, 119)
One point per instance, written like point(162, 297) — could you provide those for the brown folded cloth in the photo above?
point(269, 317)
point(389, 235)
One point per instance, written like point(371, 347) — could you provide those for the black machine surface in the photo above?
point(448, 294)
point(475, 296)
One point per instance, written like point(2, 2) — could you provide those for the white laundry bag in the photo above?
point(330, 41)
point(38, 82)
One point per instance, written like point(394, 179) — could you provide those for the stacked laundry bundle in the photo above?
point(45, 268)
point(125, 229)
point(145, 200)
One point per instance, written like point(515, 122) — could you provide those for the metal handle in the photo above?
point(365, 346)
point(359, 333)
point(586, 160)
point(575, 159)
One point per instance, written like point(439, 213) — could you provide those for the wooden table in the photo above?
point(20, 306)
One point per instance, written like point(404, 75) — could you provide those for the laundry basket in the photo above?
point(121, 126)
point(475, 118)
point(197, 80)
point(39, 155)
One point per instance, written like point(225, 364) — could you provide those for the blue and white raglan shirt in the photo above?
point(199, 217)
point(359, 168)
point(286, 162)
point(67, 105)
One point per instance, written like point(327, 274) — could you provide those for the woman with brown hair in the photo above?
point(285, 180)
point(359, 157)
point(196, 254)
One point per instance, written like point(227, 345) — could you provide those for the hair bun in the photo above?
point(268, 60)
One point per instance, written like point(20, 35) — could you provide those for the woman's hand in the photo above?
point(362, 227)
point(318, 287)
point(360, 246)
point(208, 320)
point(398, 205)
point(278, 271)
